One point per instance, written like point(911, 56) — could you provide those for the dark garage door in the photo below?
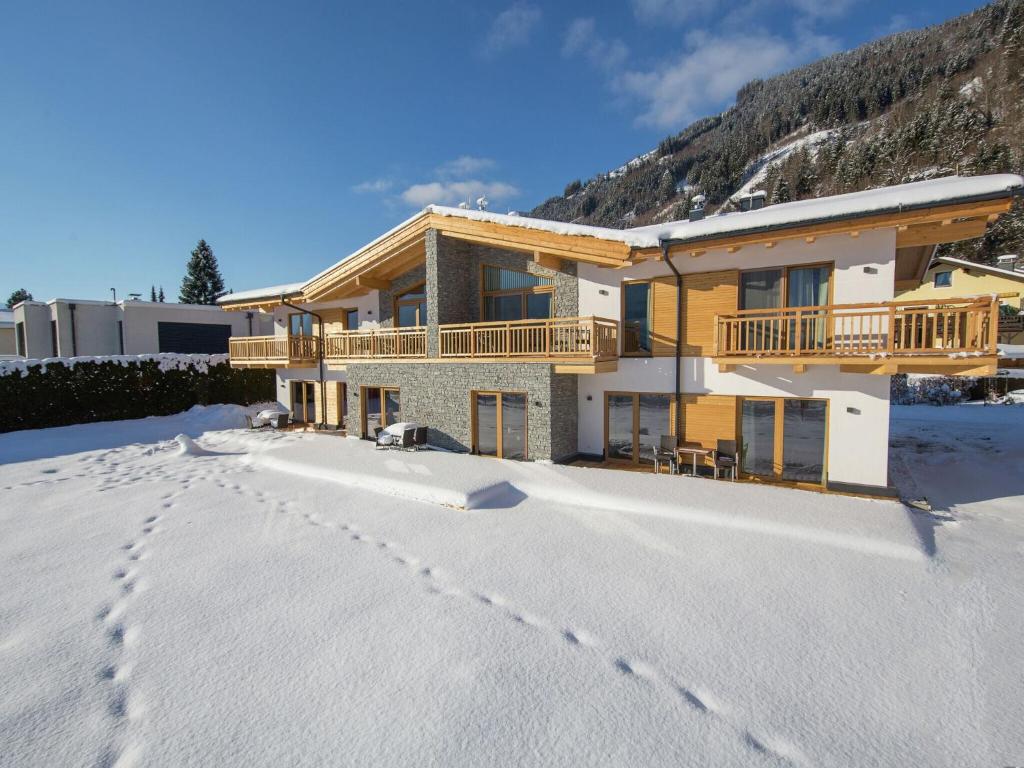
point(193, 338)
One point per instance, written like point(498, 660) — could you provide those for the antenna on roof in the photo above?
point(481, 202)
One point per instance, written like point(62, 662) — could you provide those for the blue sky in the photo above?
point(288, 134)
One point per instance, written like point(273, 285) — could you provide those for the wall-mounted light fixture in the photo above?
point(603, 292)
point(871, 270)
point(854, 411)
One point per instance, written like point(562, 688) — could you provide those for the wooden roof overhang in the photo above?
point(941, 223)
point(375, 265)
point(261, 304)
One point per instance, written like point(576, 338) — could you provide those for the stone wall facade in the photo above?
point(439, 396)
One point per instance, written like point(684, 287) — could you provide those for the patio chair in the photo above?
point(666, 453)
point(725, 458)
point(408, 440)
point(420, 437)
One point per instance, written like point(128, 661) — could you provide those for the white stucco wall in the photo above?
point(858, 429)
point(142, 318)
point(286, 375)
point(36, 318)
point(367, 306)
point(95, 328)
point(858, 416)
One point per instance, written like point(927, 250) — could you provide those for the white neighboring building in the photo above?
point(75, 327)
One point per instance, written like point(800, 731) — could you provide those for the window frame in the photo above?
point(673, 418)
point(650, 316)
point(312, 330)
point(935, 279)
point(524, 293)
point(381, 389)
point(778, 460)
point(784, 281)
point(398, 301)
point(500, 442)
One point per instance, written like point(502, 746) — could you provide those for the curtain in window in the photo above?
point(761, 289)
point(808, 287)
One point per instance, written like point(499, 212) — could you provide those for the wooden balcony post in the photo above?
point(799, 331)
point(890, 346)
point(993, 322)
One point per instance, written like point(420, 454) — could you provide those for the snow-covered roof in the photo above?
point(894, 199)
point(633, 237)
point(270, 292)
point(1011, 351)
point(998, 271)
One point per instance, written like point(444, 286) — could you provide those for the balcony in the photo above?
point(956, 336)
point(378, 344)
point(574, 344)
point(274, 351)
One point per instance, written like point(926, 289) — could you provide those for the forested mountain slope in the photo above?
point(919, 104)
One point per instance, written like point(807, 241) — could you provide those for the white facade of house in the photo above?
point(858, 421)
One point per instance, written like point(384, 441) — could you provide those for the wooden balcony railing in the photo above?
point(379, 343)
point(892, 329)
point(277, 350)
point(558, 338)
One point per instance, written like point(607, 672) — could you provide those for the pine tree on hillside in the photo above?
point(160, 295)
point(18, 296)
point(203, 281)
point(152, 293)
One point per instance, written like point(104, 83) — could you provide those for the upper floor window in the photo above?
point(300, 324)
point(943, 279)
point(508, 294)
point(411, 307)
point(636, 318)
point(351, 319)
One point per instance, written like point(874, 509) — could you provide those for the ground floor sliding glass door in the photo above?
point(784, 439)
point(499, 424)
point(634, 423)
point(380, 406)
point(303, 401)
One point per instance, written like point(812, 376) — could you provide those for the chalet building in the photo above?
point(509, 336)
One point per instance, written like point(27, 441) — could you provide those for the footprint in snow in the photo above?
point(638, 669)
point(580, 638)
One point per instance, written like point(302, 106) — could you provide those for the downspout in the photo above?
point(320, 361)
point(679, 331)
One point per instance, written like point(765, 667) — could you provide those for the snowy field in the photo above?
point(258, 599)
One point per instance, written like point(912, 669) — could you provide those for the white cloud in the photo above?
point(665, 10)
point(453, 192)
point(374, 185)
point(465, 165)
point(679, 11)
point(511, 28)
point(581, 39)
point(711, 72)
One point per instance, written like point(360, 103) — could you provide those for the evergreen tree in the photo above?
point(160, 295)
point(18, 296)
point(203, 281)
point(152, 293)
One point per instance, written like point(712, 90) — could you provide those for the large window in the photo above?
point(509, 294)
point(411, 307)
point(784, 287)
point(351, 319)
point(381, 406)
point(499, 424)
point(635, 422)
point(303, 401)
point(784, 438)
point(300, 324)
point(636, 318)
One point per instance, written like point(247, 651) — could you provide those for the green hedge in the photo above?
point(57, 395)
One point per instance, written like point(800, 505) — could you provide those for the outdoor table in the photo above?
point(693, 451)
point(399, 429)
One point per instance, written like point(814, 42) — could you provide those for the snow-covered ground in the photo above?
point(261, 599)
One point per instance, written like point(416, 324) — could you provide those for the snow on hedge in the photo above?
point(168, 361)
